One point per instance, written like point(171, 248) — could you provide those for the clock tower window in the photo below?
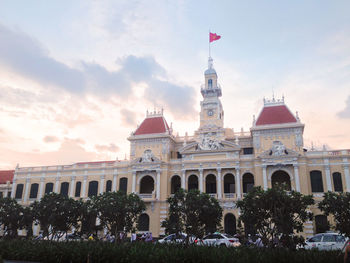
point(210, 83)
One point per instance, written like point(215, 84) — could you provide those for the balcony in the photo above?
point(213, 195)
point(230, 195)
point(146, 196)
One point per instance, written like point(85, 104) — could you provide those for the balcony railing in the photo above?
point(146, 196)
point(213, 195)
point(230, 195)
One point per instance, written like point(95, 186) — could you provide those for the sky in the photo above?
point(76, 77)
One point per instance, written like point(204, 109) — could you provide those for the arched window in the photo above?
point(229, 184)
point(175, 184)
point(210, 83)
point(321, 224)
point(146, 185)
point(281, 178)
point(210, 184)
point(64, 188)
point(123, 184)
point(19, 191)
point(48, 188)
point(143, 223)
point(93, 186)
point(230, 224)
point(34, 191)
point(337, 182)
point(248, 182)
point(192, 182)
point(77, 189)
point(316, 181)
point(109, 186)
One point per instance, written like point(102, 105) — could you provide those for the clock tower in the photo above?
point(212, 114)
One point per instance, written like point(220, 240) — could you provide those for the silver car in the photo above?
point(326, 241)
point(173, 238)
point(218, 239)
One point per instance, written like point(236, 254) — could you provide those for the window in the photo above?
point(340, 238)
point(48, 188)
point(192, 182)
point(93, 186)
point(321, 224)
point(19, 191)
point(337, 182)
point(316, 181)
point(109, 186)
point(77, 189)
point(175, 184)
point(143, 224)
point(328, 238)
point(281, 178)
point(248, 182)
point(64, 188)
point(146, 185)
point(210, 184)
point(123, 184)
point(316, 238)
point(210, 83)
point(34, 191)
point(248, 150)
point(229, 184)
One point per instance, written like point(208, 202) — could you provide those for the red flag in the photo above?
point(213, 37)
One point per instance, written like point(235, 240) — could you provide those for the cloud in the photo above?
point(346, 112)
point(107, 148)
point(27, 57)
point(49, 139)
point(128, 117)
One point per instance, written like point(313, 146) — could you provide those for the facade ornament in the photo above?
point(147, 157)
point(278, 149)
point(209, 143)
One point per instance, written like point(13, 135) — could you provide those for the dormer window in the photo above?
point(210, 83)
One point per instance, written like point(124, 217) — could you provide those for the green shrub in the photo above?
point(78, 252)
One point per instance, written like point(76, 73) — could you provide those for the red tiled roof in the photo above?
point(6, 175)
point(275, 115)
point(152, 125)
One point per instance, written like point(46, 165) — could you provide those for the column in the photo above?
point(183, 179)
point(158, 185)
point(83, 194)
point(264, 177)
point(102, 183)
point(347, 177)
point(296, 177)
point(57, 182)
point(26, 190)
point(72, 186)
point(41, 187)
point(133, 189)
point(238, 182)
point(13, 188)
point(114, 183)
point(328, 178)
point(201, 180)
point(218, 182)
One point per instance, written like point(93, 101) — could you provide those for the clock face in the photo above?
point(210, 112)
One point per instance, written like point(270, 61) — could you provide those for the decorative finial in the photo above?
point(297, 115)
point(253, 120)
point(282, 97)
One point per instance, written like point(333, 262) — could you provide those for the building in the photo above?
point(215, 160)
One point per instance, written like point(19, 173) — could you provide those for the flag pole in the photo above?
point(209, 44)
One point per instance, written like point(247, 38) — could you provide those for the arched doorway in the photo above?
point(321, 224)
point(229, 184)
point(281, 178)
point(175, 184)
point(230, 224)
point(248, 182)
point(210, 184)
point(192, 182)
point(146, 185)
point(143, 223)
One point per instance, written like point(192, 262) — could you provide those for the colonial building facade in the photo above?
point(215, 160)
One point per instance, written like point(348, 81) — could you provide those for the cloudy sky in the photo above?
point(76, 77)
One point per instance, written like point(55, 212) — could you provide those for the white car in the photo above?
point(218, 239)
point(326, 241)
point(173, 238)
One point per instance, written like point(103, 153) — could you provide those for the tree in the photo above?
point(88, 216)
point(56, 214)
point(27, 219)
point(118, 211)
point(194, 213)
point(338, 205)
point(10, 216)
point(276, 214)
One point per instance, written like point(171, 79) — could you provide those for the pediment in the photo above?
point(146, 158)
point(211, 146)
point(278, 150)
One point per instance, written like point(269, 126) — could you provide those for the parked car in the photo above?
point(218, 239)
point(326, 241)
point(173, 238)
